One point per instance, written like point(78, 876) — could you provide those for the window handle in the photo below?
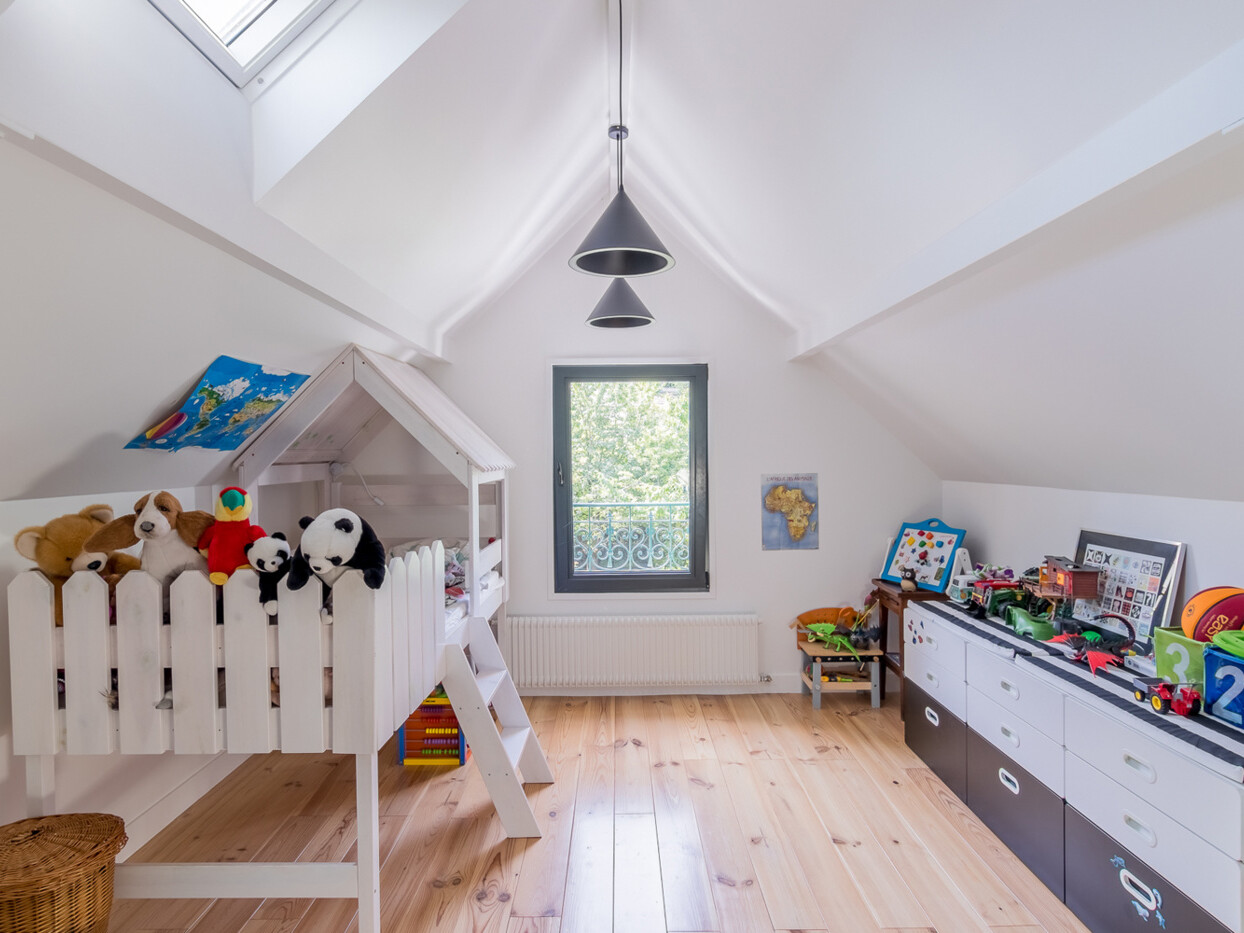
point(561, 480)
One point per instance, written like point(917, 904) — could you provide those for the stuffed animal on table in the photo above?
point(270, 556)
point(907, 579)
point(224, 542)
point(332, 543)
point(59, 550)
point(169, 535)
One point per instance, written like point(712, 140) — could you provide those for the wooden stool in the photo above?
point(822, 654)
point(891, 597)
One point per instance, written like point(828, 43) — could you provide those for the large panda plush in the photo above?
point(332, 543)
point(270, 556)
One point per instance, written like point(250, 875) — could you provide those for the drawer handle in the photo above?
point(1009, 735)
point(930, 641)
point(1140, 829)
point(932, 716)
point(932, 679)
point(1009, 689)
point(1146, 771)
point(1008, 780)
point(1144, 895)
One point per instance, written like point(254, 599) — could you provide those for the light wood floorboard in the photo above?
point(683, 814)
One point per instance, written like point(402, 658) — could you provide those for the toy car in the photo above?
point(995, 595)
point(1164, 697)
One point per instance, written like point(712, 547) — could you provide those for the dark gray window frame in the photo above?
point(564, 578)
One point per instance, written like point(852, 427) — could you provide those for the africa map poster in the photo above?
point(789, 518)
point(232, 400)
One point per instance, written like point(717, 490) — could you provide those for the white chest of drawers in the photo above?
point(1154, 811)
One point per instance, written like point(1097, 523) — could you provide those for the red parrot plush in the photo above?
point(225, 542)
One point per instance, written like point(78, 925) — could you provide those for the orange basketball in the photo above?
point(1218, 609)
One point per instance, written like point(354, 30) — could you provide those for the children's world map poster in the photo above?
point(231, 402)
point(789, 517)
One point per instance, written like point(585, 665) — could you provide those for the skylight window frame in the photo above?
point(263, 40)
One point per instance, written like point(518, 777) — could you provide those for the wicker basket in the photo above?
point(56, 873)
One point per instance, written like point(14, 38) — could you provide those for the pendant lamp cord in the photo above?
point(621, 121)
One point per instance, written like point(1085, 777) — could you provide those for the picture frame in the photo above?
point(1142, 578)
point(926, 547)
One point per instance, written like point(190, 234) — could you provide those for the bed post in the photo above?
point(40, 785)
point(367, 797)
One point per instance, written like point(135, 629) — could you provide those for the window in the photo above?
point(240, 37)
point(630, 478)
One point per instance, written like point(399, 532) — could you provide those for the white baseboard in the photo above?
point(142, 828)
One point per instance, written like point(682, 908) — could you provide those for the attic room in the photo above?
point(954, 261)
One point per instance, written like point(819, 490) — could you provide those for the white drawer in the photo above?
point(1023, 743)
point(942, 685)
point(1204, 874)
point(1011, 687)
point(938, 642)
point(1207, 803)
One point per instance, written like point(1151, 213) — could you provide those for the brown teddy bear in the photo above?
point(57, 548)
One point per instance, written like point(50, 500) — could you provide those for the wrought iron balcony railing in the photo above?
point(632, 537)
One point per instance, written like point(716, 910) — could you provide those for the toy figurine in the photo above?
point(1093, 649)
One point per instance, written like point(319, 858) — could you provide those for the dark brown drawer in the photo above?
point(1022, 811)
point(937, 736)
point(1113, 891)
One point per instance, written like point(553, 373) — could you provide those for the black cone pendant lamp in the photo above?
point(621, 244)
point(619, 307)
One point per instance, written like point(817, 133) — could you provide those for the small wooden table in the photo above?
point(821, 653)
point(890, 596)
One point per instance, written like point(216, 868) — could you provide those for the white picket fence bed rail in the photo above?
point(382, 649)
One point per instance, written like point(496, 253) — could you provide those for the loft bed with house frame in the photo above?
point(386, 648)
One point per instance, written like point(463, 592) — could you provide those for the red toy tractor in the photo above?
point(1165, 697)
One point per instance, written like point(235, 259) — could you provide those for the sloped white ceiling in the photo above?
point(1026, 199)
point(1103, 357)
point(810, 150)
point(444, 182)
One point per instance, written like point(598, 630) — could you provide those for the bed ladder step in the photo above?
point(494, 721)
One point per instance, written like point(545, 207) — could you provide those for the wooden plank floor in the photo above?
point(712, 814)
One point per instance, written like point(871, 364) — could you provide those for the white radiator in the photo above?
point(632, 651)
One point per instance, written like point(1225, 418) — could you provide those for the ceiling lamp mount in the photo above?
point(621, 244)
point(619, 307)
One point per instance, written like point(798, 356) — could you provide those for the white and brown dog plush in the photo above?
point(168, 535)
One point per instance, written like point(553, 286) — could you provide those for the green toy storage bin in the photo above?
point(1180, 658)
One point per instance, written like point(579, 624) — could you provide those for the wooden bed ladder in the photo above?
point(506, 749)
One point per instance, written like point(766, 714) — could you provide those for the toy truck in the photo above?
point(1166, 697)
point(993, 596)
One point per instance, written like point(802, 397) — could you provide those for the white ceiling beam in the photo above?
point(1205, 103)
point(327, 72)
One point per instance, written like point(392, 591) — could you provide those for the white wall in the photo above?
point(113, 316)
point(1019, 525)
point(144, 790)
point(766, 415)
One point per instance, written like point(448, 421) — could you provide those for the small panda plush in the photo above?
point(270, 556)
point(332, 543)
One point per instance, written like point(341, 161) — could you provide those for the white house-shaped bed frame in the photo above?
point(387, 648)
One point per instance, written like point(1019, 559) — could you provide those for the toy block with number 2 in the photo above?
point(1224, 685)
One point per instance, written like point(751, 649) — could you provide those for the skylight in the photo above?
point(240, 37)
